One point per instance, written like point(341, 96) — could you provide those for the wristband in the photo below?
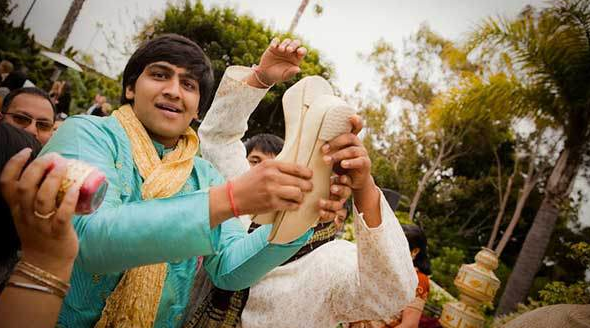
point(255, 71)
point(229, 186)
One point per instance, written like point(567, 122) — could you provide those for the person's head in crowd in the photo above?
point(99, 99)
point(6, 68)
point(29, 109)
point(262, 147)
point(167, 81)
point(64, 99)
point(59, 119)
point(14, 80)
point(418, 247)
point(56, 90)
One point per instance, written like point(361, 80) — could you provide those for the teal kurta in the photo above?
point(127, 231)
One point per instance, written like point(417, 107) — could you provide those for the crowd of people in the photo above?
point(173, 243)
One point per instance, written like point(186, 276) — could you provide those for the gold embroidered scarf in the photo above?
point(134, 302)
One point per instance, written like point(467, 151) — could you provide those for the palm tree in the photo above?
point(550, 52)
point(67, 25)
point(297, 16)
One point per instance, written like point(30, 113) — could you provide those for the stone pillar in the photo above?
point(478, 285)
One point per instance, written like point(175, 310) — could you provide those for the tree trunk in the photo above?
point(298, 14)
point(503, 198)
point(529, 184)
point(422, 184)
point(67, 25)
point(535, 245)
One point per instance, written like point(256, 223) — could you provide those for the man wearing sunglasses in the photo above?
point(29, 109)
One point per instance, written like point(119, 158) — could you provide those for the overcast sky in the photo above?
point(345, 29)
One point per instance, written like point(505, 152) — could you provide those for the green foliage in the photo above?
point(403, 217)
point(445, 268)
point(581, 252)
point(453, 99)
point(558, 292)
point(232, 39)
point(438, 297)
point(87, 84)
point(348, 232)
point(19, 47)
point(547, 78)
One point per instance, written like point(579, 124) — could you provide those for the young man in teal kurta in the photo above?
point(165, 82)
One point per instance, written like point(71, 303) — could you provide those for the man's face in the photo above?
point(166, 99)
point(99, 100)
point(256, 157)
point(31, 113)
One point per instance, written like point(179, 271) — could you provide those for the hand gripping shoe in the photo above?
point(313, 115)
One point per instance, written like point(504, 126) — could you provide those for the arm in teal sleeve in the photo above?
point(123, 235)
point(243, 259)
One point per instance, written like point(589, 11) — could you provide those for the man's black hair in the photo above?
point(176, 50)
point(25, 91)
point(266, 143)
point(14, 80)
point(417, 239)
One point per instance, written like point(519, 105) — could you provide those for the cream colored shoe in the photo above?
point(296, 101)
point(313, 115)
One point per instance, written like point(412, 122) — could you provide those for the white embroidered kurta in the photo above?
point(373, 279)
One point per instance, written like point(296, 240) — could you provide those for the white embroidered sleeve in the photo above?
point(226, 122)
point(385, 280)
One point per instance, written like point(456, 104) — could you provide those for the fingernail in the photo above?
point(334, 189)
point(344, 164)
point(24, 152)
point(326, 148)
point(322, 202)
point(327, 159)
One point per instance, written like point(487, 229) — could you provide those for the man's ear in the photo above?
point(129, 93)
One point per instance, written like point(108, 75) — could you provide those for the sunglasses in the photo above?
point(25, 120)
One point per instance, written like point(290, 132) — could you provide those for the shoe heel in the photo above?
point(336, 122)
point(327, 124)
point(296, 101)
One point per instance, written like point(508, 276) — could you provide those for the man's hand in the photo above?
point(269, 186)
point(348, 151)
point(272, 186)
point(279, 62)
point(333, 209)
point(50, 243)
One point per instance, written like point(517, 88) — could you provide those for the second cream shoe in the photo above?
point(313, 115)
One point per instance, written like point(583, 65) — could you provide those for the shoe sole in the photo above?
point(327, 117)
point(296, 100)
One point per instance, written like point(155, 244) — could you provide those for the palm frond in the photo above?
point(550, 49)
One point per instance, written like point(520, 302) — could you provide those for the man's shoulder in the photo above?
point(81, 131)
point(91, 121)
point(79, 125)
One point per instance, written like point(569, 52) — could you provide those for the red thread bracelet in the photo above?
point(229, 186)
